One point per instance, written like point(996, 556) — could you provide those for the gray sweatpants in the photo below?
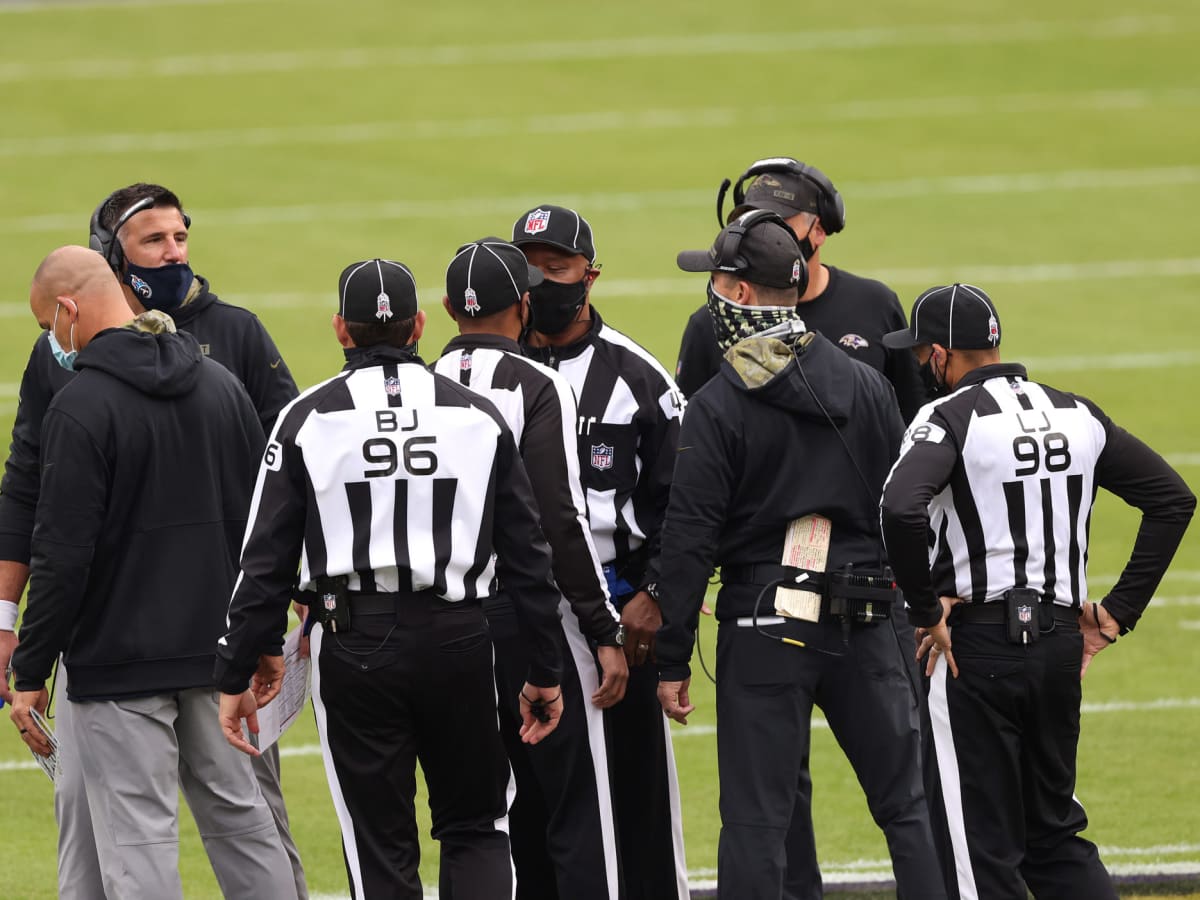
point(78, 863)
point(136, 755)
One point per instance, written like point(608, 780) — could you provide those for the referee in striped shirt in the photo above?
point(399, 496)
point(626, 434)
point(560, 822)
point(1000, 474)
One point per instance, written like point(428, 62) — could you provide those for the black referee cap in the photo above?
point(487, 276)
point(377, 292)
point(555, 226)
point(957, 316)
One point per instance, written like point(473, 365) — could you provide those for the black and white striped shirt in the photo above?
point(996, 483)
point(539, 407)
point(403, 481)
point(627, 430)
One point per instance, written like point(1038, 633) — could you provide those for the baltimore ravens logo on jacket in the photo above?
point(853, 341)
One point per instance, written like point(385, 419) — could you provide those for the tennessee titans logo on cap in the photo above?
point(383, 307)
point(537, 221)
point(140, 286)
point(471, 301)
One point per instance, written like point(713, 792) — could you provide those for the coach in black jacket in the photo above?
point(147, 463)
point(853, 312)
point(142, 232)
point(792, 435)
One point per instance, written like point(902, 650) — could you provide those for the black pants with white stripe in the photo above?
point(646, 792)
point(561, 820)
point(402, 687)
point(766, 691)
point(1006, 733)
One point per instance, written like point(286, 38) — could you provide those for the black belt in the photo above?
point(993, 614)
point(765, 573)
point(368, 604)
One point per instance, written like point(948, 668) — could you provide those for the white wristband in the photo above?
point(8, 615)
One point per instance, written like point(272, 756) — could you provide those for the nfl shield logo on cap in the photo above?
point(471, 301)
point(537, 221)
point(383, 307)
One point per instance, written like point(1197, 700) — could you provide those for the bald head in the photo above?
point(80, 282)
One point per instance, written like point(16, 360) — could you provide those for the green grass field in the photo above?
point(1041, 150)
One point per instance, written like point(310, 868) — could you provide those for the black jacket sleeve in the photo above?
point(923, 469)
point(70, 515)
point(1143, 479)
point(705, 473)
point(548, 447)
point(257, 616)
point(699, 355)
point(20, 485)
point(523, 564)
point(267, 378)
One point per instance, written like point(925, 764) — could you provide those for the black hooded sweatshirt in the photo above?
point(148, 463)
point(758, 449)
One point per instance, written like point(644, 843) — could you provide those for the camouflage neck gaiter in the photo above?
point(734, 322)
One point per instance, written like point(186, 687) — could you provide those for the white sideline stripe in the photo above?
point(25, 6)
point(349, 133)
point(1183, 459)
point(684, 287)
point(689, 199)
point(1190, 625)
point(543, 52)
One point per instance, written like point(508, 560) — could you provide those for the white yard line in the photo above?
point(41, 6)
point(685, 199)
point(625, 120)
point(533, 54)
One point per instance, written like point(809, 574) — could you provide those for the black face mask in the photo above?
point(553, 306)
point(163, 287)
point(933, 387)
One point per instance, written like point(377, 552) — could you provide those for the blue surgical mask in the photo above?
point(163, 288)
point(61, 356)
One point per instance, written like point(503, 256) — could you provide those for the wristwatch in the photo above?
point(652, 590)
point(617, 640)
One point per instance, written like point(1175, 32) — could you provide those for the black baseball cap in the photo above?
point(767, 253)
point(957, 316)
point(377, 292)
point(555, 226)
point(487, 276)
point(782, 193)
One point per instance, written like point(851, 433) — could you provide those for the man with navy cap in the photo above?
point(626, 434)
point(1002, 472)
point(782, 457)
point(399, 497)
point(560, 822)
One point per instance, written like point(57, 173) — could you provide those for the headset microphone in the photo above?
point(725, 185)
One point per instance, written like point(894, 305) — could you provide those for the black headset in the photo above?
point(104, 240)
point(729, 242)
point(831, 209)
